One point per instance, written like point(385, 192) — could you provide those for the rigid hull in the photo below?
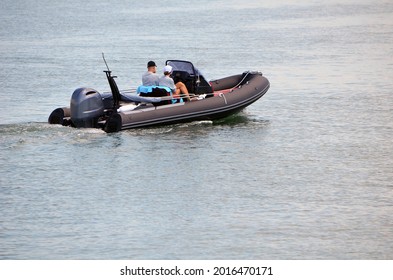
point(222, 103)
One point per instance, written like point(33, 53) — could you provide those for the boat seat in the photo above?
point(157, 91)
point(149, 89)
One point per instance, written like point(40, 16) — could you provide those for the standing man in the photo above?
point(150, 78)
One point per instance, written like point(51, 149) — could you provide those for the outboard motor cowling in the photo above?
point(86, 107)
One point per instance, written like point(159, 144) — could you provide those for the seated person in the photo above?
point(167, 81)
point(150, 78)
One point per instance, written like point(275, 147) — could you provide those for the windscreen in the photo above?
point(180, 65)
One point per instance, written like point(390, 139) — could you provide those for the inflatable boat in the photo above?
point(148, 106)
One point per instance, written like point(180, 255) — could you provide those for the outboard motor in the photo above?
point(60, 116)
point(86, 107)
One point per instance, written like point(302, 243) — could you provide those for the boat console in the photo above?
point(184, 71)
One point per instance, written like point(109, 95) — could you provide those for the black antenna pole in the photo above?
point(107, 67)
point(114, 89)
